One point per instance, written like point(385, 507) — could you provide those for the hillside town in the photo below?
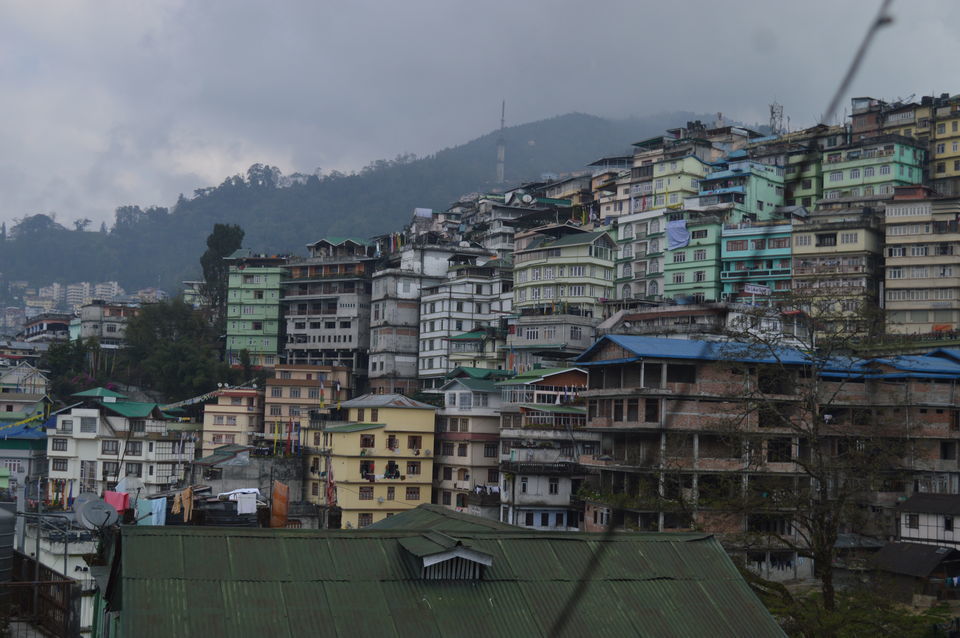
point(735, 352)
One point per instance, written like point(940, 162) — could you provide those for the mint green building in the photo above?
point(755, 257)
point(253, 307)
point(744, 190)
point(692, 272)
point(872, 167)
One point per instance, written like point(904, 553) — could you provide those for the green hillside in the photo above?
point(156, 246)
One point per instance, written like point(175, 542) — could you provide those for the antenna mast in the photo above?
point(501, 145)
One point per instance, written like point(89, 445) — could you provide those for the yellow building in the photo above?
point(297, 390)
point(236, 417)
point(377, 463)
point(945, 147)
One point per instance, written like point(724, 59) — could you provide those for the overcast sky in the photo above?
point(115, 102)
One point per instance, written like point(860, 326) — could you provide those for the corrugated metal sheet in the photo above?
point(237, 582)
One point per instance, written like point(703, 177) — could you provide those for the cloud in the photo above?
point(114, 102)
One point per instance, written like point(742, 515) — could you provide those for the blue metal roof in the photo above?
point(721, 191)
point(922, 363)
point(663, 348)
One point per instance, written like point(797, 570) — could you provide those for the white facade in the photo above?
point(930, 529)
point(92, 448)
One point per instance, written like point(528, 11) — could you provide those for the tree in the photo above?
point(821, 432)
point(221, 243)
point(171, 348)
point(80, 225)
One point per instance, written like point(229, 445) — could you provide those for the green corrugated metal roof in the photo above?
point(478, 373)
point(470, 336)
point(353, 427)
point(551, 407)
point(100, 392)
point(131, 409)
point(440, 518)
point(535, 375)
point(480, 385)
point(206, 581)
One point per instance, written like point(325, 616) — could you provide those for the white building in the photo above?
point(109, 437)
point(930, 519)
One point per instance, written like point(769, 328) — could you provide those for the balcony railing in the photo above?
point(533, 467)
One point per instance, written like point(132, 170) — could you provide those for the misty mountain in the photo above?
point(157, 246)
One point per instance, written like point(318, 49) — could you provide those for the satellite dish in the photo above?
point(94, 514)
point(527, 199)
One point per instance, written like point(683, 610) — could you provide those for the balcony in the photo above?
point(533, 467)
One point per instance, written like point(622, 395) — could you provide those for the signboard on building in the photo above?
point(755, 289)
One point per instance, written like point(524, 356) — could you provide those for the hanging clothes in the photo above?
point(145, 512)
point(246, 504)
point(159, 510)
point(119, 500)
point(183, 502)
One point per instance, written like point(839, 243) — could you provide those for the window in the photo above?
point(737, 244)
point(88, 424)
point(524, 482)
point(679, 257)
point(413, 467)
point(679, 277)
point(366, 493)
point(941, 167)
point(681, 373)
point(59, 465)
point(554, 485)
point(445, 498)
point(848, 238)
point(447, 473)
point(489, 450)
point(109, 447)
point(493, 476)
point(576, 333)
point(58, 445)
point(391, 492)
point(276, 392)
point(913, 521)
point(948, 523)
point(461, 449)
point(699, 255)
point(134, 469)
point(885, 169)
point(367, 440)
point(868, 171)
point(698, 234)
point(836, 176)
point(415, 442)
point(413, 494)
point(700, 275)
point(364, 519)
point(134, 448)
point(854, 173)
point(803, 240)
point(275, 410)
point(528, 519)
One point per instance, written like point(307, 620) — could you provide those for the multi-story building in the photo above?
point(463, 318)
point(746, 190)
point(399, 285)
point(945, 146)
point(326, 305)
point(922, 276)
point(664, 409)
point(380, 461)
point(107, 290)
point(542, 438)
point(691, 265)
point(253, 307)
point(561, 274)
point(106, 321)
point(837, 260)
point(294, 393)
point(78, 294)
point(46, 327)
point(466, 459)
point(756, 258)
point(107, 437)
point(236, 417)
point(872, 167)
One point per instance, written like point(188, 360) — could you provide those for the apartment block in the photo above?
point(253, 307)
point(326, 305)
point(235, 418)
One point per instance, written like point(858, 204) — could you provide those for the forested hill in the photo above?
point(159, 246)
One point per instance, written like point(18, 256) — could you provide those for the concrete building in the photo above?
point(872, 167)
point(465, 457)
point(922, 277)
point(46, 327)
point(463, 318)
point(236, 417)
point(561, 274)
point(399, 285)
point(106, 321)
point(326, 305)
point(379, 462)
point(253, 307)
point(542, 438)
point(756, 256)
point(294, 393)
point(107, 437)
